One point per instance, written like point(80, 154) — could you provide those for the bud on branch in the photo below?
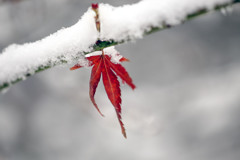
point(97, 21)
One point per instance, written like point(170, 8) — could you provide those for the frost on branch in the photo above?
point(118, 24)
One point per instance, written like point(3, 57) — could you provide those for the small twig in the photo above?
point(97, 21)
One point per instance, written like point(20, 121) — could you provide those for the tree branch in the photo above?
point(99, 45)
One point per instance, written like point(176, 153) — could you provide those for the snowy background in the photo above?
point(186, 105)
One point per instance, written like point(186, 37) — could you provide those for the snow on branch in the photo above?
point(118, 24)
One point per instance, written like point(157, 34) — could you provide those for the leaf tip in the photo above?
point(95, 104)
point(100, 113)
point(133, 86)
point(123, 59)
point(75, 67)
point(124, 134)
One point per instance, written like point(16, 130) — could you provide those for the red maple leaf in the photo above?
point(102, 65)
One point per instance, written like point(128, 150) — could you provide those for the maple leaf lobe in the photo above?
point(94, 80)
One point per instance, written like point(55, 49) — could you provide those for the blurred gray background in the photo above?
point(186, 105)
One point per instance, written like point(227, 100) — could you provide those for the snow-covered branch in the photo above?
point(118, 25)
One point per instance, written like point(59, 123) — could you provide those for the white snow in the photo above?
point(17, 60)
point(114, 54)
point(117, 23)
point(131, 21)
point(110, 51)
